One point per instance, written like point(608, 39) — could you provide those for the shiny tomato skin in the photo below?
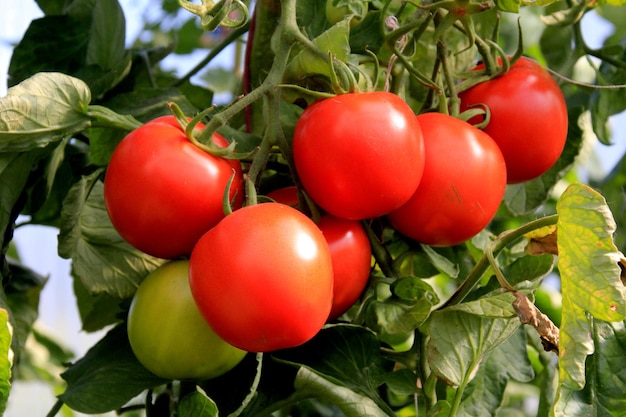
point(528, 118)
point(351, 256)
point(162, 192)
point(463, 184)
point(350, 252)
point(359, 155)
point(168, 334)
point(262, 278)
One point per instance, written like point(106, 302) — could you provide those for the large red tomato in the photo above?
point(350, 252)
point(528, 118)
point(359, 155)
point(463, 184)
point(163, 193)
point(263, 278)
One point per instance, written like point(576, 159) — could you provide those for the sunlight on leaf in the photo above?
point(43, 109)
point(459, 341)
point(6, 355)
point(590, 277)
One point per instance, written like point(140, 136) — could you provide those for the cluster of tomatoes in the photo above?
point(267, 276)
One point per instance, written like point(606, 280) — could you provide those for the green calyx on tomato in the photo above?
point(168, 334)
point(262, 277)
point(162, 192)
point(359, 155)
point(528, 118)
point(463, 184)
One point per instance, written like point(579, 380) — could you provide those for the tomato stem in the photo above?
point(501, 242)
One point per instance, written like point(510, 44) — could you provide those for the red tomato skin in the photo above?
point(359, 155)
point(351, 256)
point(463, 184)
point(262, 278)
point(350, 252)
point(162, 192)
point(528, 118)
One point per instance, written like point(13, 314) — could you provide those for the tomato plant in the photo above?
point(168, 334)
point(463, 184)
point(151, 188)
point(350, 253)
point(359, 155)
point(478, 265)
point(275, 290)
point(531, 132)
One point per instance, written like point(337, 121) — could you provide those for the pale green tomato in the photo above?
point(167, 333)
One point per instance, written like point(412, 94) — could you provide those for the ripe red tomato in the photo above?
point(359, 155)
point(263, 278)
point(167, 333)
point(463, 184)
point(528, 118)
point(162, 192)
point(350, 252)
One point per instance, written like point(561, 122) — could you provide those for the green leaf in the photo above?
point(14, 170)
point(408, 308)
point(107, 377)
point(603, 394)
point(41, 110)
point(45, 48)
point(106, 47)
point(96, 310)
point(23, 292)
point(197, 404)
point(459, 341)
point(607, 102)
point(345, 355)
point(440, 262)
point(512, 6)
point(485, 393)
point(496, 304)
point(333, 42)
point(6, 358)
point(102, 260)
point(352, 404)
point(590, 277)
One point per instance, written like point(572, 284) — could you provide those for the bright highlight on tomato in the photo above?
point(528, 118)
point(463, 184)
point(359, 155)
point(168, 334)
point(350, 252)
point(263, 278)
point(162, 192)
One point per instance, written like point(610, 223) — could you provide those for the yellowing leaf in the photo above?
point(6, 358)
point(590, 277)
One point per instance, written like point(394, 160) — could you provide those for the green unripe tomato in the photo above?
point(337, 10)
point(168, 334)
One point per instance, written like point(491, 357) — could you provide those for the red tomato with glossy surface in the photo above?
point(350, 252)
point(167, 333)
point(528, 118)
point(463, 184)
point(162, 193)
point(262, 278)
point(359, 155)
